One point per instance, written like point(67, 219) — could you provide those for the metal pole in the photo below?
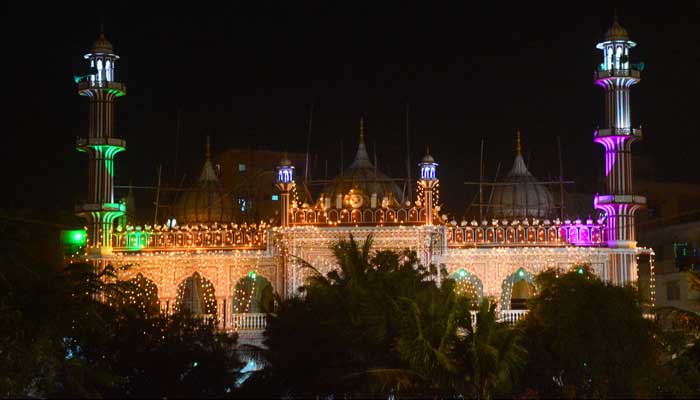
point(155, 214)
point(561, 180)
point(481, 179)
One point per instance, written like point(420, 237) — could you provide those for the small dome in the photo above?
point(521, 196)
point(205, 202)
point(427, 158)
point(616, 32)
point(285, 162)
point(102, 45)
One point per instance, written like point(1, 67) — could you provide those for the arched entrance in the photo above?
point(253, 294)
point(143, 293)
point(516, 289)
point(196, 295)
point(469, 285)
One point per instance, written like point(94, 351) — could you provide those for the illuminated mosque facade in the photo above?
point(211, 265)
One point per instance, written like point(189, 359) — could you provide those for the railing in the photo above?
point(360, 216)
point(249, 321)
point(510, 317)
point(616, 72)
point(525, 232)
point(214, 237)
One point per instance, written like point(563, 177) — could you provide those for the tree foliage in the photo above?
point(587, 338)
point(73, 332)
point(380, 324)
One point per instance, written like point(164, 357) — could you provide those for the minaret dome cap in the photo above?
point(616, 32)
point(285, 162)
point(427, 158)
point(102, 45)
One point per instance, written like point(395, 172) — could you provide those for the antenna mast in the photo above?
point(561, 180)
point(308, 142)
point(408, 155)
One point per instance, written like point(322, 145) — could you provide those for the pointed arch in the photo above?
point(468, 284)
point(196, 294)
point(521, 274)
point(253, 293)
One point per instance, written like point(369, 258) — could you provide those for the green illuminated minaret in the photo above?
point(101, 146)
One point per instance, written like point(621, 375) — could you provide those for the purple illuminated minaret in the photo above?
point(616, 74)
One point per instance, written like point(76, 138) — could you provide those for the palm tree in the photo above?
point(462, 358)
point(494, 354)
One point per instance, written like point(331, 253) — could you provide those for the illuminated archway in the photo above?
point(527, 289)
point(196, 295)
point(143, 294)
point(253, 294)
point(469, 285)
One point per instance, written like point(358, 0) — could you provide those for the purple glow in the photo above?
point(613, 145)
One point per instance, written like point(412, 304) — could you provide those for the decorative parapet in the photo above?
point(384, 216)
point(526, 232)
point(191, 238)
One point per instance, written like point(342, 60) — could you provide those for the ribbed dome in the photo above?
point(616, 32)
point(102, 45)
point(522, 195)
point(362, 176)
point(205, 202)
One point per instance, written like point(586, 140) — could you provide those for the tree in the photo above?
point(587, 338)
point(381, 324)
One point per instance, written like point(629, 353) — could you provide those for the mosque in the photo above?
point(214, 265)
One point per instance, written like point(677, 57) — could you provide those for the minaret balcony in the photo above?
point(118, 88)
point(617, 73)
point(614, 199)
point(103, 142)
point(101, 207)
point(613, 132)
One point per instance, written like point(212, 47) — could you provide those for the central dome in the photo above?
point(521, 195)
point(364, 178)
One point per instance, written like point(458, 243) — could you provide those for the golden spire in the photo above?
point(208, 148)
point(518, 146)
point(362, 130)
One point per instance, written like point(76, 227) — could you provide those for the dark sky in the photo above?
point(247, 74)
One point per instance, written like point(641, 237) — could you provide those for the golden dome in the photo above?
point(102, 45)
point(616, 32)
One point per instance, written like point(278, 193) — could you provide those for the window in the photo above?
point(241, 167)
point(275, 197)
point(673, 291)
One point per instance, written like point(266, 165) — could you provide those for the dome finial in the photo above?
point(518, 146)
point(208, 149)
point(362, 130)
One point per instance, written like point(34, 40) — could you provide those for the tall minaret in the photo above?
point(99, 87)
point(616, 75)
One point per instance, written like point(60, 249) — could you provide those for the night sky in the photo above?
point(248, 74)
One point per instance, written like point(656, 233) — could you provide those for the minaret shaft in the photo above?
point(101, 146)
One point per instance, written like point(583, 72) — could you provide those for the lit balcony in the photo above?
point(617, 73)
point(611, 132)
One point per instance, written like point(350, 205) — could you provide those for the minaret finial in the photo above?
point(518, 146)
point(208, 149)
point(615, 14)
point(427, 150)
point(362, 130)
